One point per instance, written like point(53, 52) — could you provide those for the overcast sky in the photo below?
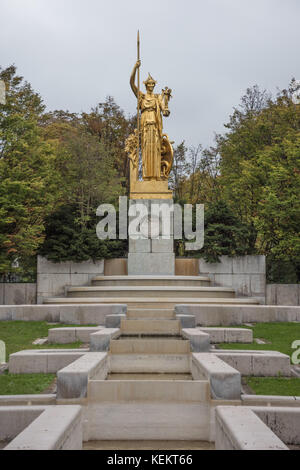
point(76, 52)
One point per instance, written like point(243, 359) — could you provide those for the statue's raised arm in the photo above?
point(132, 78)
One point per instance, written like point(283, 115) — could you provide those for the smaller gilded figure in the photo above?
point(156, 149)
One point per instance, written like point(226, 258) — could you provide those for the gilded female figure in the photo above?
point(153, 141)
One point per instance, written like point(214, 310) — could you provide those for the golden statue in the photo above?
point(156, 149)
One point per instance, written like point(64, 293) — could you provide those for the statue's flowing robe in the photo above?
point(151, 133)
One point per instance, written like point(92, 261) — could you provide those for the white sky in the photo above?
point(76, 52)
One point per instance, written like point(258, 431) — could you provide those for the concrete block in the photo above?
point(179, 391)
point(5, 313)
point(100, 340)
point(87, 267)
point(62, 335)
point(15, 294)
point(72, 381)
point(238, 335)
point(162, 246)
point(70, 335)
point(151, 263)
point(150, 363)
point(2, 293)
point(225, 381)
point(57, 428)
point(48, 267)
point(249, 264)
point(83, 333)
point(199, 341)
point(287, 294)
point(150, 327)
point(258, 284)
point(224, 267)
point(150, 346)
point(271, 364)
point(148, 421)
point(139, 246)
point(238, 428)
point(42, 360)
point(31, 293)
point(14, 419)
point(186, 321)
point(48, 313)
point(52, 284)
point(239, 361)
point(84, 314)
point(25, 362)
point(257, 363)
point(284, 422)
point(217, 335)
point(114, 320)
point(59, 360)
point(271, 294)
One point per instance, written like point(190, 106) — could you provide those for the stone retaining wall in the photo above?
point(283, 294)
point(17, 293)
point(53, 278)
point(245, 274)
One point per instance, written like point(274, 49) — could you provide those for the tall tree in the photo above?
point(28, 188)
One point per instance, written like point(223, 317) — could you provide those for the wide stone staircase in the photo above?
point(150, 292)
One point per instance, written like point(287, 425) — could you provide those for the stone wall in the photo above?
point(283, 294)
point(246, 274)
point(17, 293)
point(53, 278)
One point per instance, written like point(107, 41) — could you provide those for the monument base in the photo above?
point(150, 190)
point(155, 256)
point(155, 264)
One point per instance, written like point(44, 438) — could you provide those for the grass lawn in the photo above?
point(19, 335)
point(279, 336)
point(285, 386)
point(23, 384)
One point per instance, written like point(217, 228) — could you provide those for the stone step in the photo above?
point(150, 291)
point(188, 281)
point(151, 303)
point(150, 363)
point(148, 391)
point(149, 346)
point(148, 377)
point(150, 327)
point(162, 313)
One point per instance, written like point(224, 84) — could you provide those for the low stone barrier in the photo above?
point(51, 428)
point(246, 274)
point(225, 381)
point(218, 315)
point(17, 293)
point(83, 314)
point(54, 278)
point(199, 340)
point(257, 363)
point(45, 361)
point(228, 335)
point(239, 428)
point(283, 294)
point(270, 400)
point(100, 340)
point(72, 380)
point(284, 422)
point(70, 335)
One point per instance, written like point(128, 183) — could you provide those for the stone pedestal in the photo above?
point(152, 256)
